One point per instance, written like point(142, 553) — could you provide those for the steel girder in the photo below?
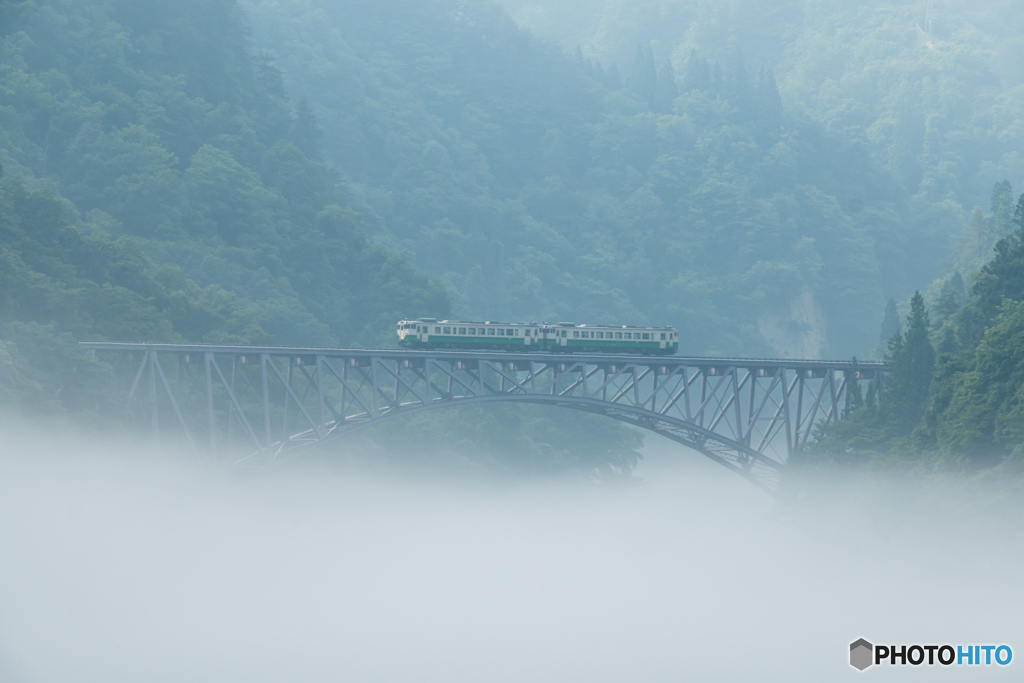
point(746, 414)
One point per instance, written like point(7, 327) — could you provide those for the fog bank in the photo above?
point(119, 565)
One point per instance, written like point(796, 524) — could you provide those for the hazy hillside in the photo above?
point(933, 96)
point(540, 189)
point(162, 186)
point(159, 122)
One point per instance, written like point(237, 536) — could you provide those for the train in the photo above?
point(430, 333)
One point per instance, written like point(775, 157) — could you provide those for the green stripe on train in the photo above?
point(436, 339)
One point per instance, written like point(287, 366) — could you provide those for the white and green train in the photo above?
point(428, 333)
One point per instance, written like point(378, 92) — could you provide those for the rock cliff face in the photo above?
point(798, 332)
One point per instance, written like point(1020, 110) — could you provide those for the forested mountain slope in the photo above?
point(542, 190)
point(161, 186)
point(158, 121)
point(932, 89)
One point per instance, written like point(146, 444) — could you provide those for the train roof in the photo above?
point(563, 324)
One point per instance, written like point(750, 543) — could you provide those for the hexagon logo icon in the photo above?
point(861, 652)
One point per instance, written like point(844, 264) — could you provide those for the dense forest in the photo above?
point(161, 186)
point(953, 400)
point(540, 187)
point(771, 178)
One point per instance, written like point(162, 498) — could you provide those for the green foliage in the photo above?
point(912, 362)
point(891, 322)
point(538, 191)
point(159, 120)
point(192, 203)
point(968, 413)
point(982, 417)
point(59, 285)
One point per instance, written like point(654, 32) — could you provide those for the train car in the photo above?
point(430, 333)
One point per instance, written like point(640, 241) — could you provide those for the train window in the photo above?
point(662, 335)
point(447, 330)
point(508, 333)
point(490, 331)
point(563, 333)
point(600, 335)
point(501, 333)
point(462, 330)
point(437, 330)
point(472, 330)
point(646, 336)
point(628, 336)
point(618, 335)
point(575, 334)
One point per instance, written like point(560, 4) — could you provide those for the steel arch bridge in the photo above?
point(748, 415)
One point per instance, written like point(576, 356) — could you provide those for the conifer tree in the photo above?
point(949, 299)
point(768, 104)
point(716, 78)
point(697, 75)
point(643, 77)
point(635, 82)
point(854, 394)
point(306, 134)
point(650, 74)
point(912, 362)
point(666, 91)
point(891, 322)
point(613, 80)
point(908, 136)
point(978, 230)
point(1003, 276)
point(739, 86)
point(1000, 221)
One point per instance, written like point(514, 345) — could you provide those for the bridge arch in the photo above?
point(710, 444)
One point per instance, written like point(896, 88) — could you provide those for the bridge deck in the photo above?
point(592, 358)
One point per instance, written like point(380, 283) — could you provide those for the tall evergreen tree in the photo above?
point(642, 77)
point(908, 137)
point(698, 74)
point(740, 93)
point(1000, 221)
point(666, 91)
point(950, 299)
point(891, 321)
point(1003, 276)
point(854, 393)
point(717, 80)
point(910, 373)
point(306, 134)
point(978, 231)
point(613, 80)
point(768, 104)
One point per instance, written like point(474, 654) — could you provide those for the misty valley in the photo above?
point(509, 339)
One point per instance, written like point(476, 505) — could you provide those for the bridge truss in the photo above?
point(257, 406)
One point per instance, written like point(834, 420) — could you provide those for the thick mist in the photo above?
point(120, 564)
